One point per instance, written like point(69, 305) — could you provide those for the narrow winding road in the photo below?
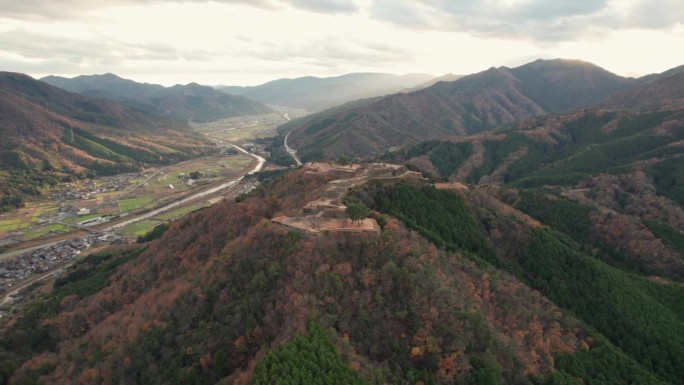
point(292, 151)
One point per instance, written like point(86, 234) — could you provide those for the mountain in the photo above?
point(549, 251)
point(471, 104)
point(315, 94)
point(188, 102)
point(617, 166)
point(230, 296)
point(592, 193)
point(109, 83)
point(444, 78)
point(562, 261)
point(664, 91)
point(50, 134)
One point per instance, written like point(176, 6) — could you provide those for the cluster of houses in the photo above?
point(90, 189)
point(14, 270)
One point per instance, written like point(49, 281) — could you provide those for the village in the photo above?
point(42, 260)
point(90, 188)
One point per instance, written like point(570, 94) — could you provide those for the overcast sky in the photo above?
point(248, 42)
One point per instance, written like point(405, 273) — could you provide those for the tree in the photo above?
point(343, 160)
point(357, 212)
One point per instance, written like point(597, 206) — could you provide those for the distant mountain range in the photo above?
point(315, 94)
point(50, 134)
point(469, 105)
point(191, 102)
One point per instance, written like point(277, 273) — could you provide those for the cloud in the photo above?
point(536, 20)
point(326, 6)
point(27, 51)
point(60, 54)
point(657, 14)
point(327, 53)
point(51, 10)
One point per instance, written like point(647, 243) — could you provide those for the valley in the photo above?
point(49, 235)
point(518, 225)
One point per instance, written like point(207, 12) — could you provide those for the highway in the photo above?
point(259, 166)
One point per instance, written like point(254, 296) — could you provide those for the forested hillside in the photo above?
point(228, 297)
point(610, 179)
point(585, 207)
point(633, 315)
point(469, 105)
point(51, 135)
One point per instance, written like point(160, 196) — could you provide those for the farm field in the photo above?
point(139, 228)
point(135, 192)
point(245, 128)
point(26, 217)
point(42, 231)
point(130, 204)
point(173, 179)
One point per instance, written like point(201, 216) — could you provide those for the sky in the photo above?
point(249, 42)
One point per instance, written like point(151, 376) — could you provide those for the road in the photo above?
point(259, 166)
point(292, 151)
point(8, 296)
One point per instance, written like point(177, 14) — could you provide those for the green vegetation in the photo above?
point(140, 228)
point(581, 147)
point(603, 364)
point(31, 335)
point(559, 213)
point(155, 233)
point(357, 212)
point(82, 218)
point(448, 157)
point(43, 231)
point(308, 360)
point(636, 315)
point(617, 304)
point(668, 176)
point(90, 275)
point(669, 235)
point(439, 215)
point(16, 185)
point(130, 204)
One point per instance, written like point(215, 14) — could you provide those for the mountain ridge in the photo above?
point(51, 134)
point(470, 104)
point(318, 93)
point(192, 101)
